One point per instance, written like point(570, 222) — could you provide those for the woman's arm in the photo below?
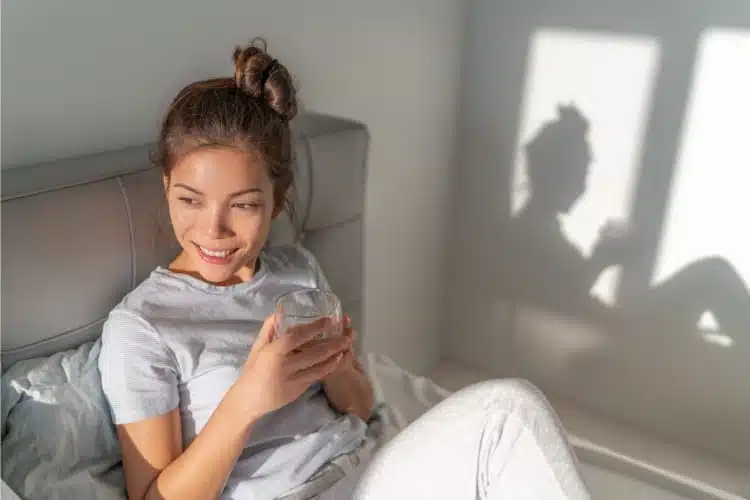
point(154, 462)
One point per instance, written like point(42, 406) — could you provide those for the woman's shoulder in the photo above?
point(152, 295)
point(135, 326)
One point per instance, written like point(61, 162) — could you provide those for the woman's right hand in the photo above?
point(279, 370)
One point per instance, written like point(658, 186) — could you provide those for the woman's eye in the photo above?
point(188, 201)
point(248, 206)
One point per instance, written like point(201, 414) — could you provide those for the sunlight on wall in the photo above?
point(709, 202)
point(610, 79)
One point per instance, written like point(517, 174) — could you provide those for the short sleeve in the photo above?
point(139, 375)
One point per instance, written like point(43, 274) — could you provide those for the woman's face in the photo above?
point(221, 205)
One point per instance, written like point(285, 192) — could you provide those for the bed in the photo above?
point(79, 233)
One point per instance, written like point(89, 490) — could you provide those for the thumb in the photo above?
point(267, 332)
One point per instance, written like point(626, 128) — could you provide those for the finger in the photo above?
point(348, 357)
point(298, 335)
point(351, 334)
point(266, 333)
point(317, 353)
point(318, 371)
point(357, 364)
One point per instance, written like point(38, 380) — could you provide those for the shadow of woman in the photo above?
point(541, 266)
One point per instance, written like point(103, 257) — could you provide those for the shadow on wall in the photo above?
point(543, 266)
point(600, 222)
point(648, 279)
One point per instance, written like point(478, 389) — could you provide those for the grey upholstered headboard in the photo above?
point(78, 234)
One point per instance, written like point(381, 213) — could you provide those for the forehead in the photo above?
point(218, 169)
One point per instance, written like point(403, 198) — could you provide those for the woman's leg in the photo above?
point(495, 440)
point(709, 284)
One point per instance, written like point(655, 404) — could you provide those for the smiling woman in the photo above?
point(222, 215)
point(221, 228)
point(189, 364)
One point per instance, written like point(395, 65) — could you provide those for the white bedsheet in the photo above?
point(47, 401)
point(408, 396)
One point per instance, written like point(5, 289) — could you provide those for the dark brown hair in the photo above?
point(250, 111)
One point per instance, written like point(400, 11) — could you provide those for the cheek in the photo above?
point(181, 219)
point(252, 226)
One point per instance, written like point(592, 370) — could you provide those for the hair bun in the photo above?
point(573, 119)
point(265, 79)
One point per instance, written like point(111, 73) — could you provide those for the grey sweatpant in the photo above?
point(495, 440)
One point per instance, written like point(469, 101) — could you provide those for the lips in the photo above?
point(216, 255)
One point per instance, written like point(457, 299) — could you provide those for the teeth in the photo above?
point(216, 253)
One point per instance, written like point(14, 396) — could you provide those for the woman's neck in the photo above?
point(181, 265)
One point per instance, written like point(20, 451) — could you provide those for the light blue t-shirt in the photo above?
point(176, 341)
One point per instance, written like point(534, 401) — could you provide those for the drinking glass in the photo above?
point(305, 306)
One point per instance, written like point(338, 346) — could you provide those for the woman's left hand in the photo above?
point(349, 360)
point(348, 388)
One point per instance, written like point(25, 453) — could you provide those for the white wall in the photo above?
point(83, 75)
point(664, 87)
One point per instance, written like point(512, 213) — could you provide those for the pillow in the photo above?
point(58, 439)
point(282, 232)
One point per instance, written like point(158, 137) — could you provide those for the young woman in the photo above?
point(207, 401)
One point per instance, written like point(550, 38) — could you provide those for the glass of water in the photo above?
point(306, 306)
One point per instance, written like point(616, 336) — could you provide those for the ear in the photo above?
point(279, 202)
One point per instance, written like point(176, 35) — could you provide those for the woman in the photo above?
point(206, 400)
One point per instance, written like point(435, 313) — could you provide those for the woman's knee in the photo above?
point(505, 392)
point(712, 269)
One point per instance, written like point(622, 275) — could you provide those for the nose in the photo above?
point(215, 223)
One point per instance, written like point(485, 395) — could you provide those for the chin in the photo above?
point(219, 273)
point(216, 276)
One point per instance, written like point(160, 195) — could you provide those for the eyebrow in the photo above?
point(253, 189)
